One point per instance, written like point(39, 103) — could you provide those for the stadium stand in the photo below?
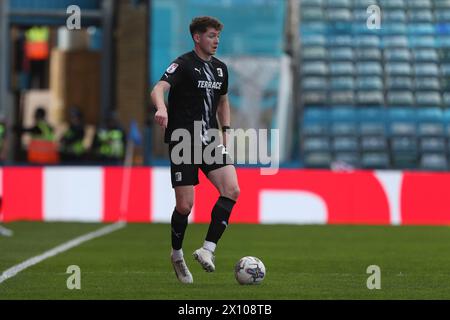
point(375, 98)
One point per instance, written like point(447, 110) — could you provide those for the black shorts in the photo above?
point(186, 174)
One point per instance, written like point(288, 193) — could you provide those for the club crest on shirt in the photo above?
point(171, 69)
point(220, 72)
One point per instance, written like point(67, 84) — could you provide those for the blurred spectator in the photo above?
point(42, 147)
point(109, 142)
point(41, 129)
point(71, 146)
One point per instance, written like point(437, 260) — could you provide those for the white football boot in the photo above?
point(181, 270)
point(205, 258)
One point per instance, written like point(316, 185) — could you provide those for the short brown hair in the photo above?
point(201, 24)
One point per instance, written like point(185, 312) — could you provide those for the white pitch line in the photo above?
point(11, 272)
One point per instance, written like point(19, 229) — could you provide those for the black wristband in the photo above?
point(225, 128)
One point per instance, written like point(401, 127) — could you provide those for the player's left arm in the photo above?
point(223, 115)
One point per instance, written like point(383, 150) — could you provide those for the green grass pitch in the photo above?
point(302, 262)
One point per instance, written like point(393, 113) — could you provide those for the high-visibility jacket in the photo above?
point(111, 143)
point(72, 142)
point(42, 148)
point(46, 132)
point(2, 135)
point(36, 45)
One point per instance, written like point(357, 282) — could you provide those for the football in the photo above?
point(249, 270)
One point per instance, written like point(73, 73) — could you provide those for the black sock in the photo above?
point(219, 218)
point(179, 224)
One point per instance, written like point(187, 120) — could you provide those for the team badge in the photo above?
point(171, 69)
point(220, 72)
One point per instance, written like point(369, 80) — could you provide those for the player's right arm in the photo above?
point(157, 95)
point(170, 78)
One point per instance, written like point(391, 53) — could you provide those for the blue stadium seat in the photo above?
point(318, 68)
point(311, 40)
point(364, 3)
point(349, 158)
point(445, 69)
point(340, 41)
point(342, 54)
point(442, 15)
point(341, 68)
point(398, 69)
point(430, 122)
point(366, 41)
point(421, 29)
point(420, 15)
point(426, 55)
point(426, 69)
point(446, 119)
point(416, 42)
point(342, 83)
point(316, 144)
point(370, 54)
point(314, 53)
point(343, 121)
point(340, 27)
point(442, 28)
point(427, 83)
point(394, 28)
point(373, 143)
point(395, 16)
point(345, 144)
point(397, 41)
point(434, 161)
point(312, 3)
point(316, 98)
point(316, 114)
point(401, 144)
point(375, 160)
point(400, 98)
point(339, 14)
point(314, 83)
point(369, 83)
point(445, 85)
point(369, 69)
point(399, 83)
point(433, 144)
point(312, 14)
point(441, 4)
point(404, 152)
point(397, 55)
point(342, 97)
point(370, 97)
point(419, 4)
point(338, 4)
point(446, 97)
point(372, 121)
point(313, 27)
point(392, 4)
point(428, 98)
point(359, 20)
point(317, 160)
point(401, 121)
point(343, 114)
point(443, 41)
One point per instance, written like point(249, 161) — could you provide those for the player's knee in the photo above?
point(185, 207)
point(232, 192)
